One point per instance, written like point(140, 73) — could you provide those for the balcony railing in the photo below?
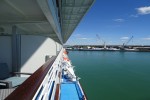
point(42, 84)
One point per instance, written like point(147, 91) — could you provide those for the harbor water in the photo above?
point(107, 75)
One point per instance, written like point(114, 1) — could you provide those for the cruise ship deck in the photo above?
point(33, 62)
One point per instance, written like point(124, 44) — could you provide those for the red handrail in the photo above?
point(27, 90)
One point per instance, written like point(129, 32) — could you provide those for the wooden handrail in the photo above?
point(27, 90)
point(57, 92)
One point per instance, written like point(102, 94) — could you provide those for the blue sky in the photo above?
point(114, 22)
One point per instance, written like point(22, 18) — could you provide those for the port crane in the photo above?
point(102, 40)
point(124, 44)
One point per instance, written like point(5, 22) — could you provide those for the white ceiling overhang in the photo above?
point(28, 16)
point(72, 11)
point(42, 17)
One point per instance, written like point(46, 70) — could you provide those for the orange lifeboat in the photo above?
point(66, 59)
point(65, 52)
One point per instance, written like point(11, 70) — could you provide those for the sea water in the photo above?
point(113, 75)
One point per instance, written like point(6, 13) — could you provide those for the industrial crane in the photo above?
point(102, 40)
point(124, 44)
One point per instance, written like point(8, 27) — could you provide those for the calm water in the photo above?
point(113, 75)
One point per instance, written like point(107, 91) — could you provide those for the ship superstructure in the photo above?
point(33, 63)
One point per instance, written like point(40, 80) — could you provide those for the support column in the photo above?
point(16, 52)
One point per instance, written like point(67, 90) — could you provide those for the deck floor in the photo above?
point(69, 92)
point(5, 92)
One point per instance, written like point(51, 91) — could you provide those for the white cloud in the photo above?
point(77, 35)
point(124, 38)
point(119, 20)
point(83, 38)
point(146, 38)
point(135, 16)
point(143, 10)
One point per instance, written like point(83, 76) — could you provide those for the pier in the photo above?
point(132, 48)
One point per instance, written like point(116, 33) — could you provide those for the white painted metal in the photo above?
point(49, 78)
point(49, 9)
point(34, 50)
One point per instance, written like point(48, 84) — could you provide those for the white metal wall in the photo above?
point(59, 47)
point(34, 50)
point(6, 51)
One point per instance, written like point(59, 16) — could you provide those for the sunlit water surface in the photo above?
point(113, 75)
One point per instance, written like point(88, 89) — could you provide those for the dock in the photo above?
point(130, 48)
